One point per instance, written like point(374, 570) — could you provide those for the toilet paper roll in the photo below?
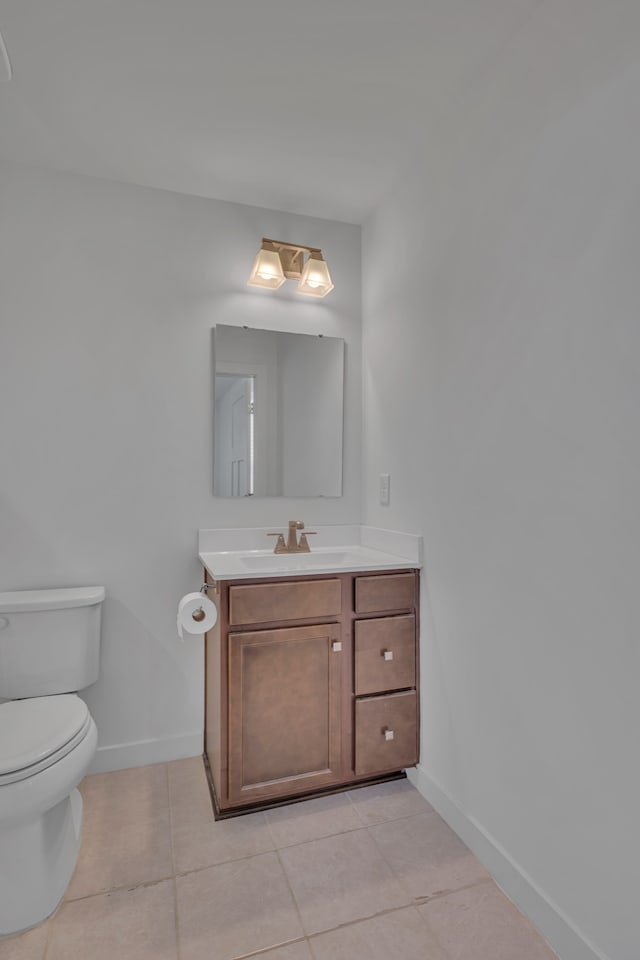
point(196, 614)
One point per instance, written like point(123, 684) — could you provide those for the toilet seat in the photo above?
point(37, 732)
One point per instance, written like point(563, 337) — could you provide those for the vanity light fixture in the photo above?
point(267, 268)
point(277, 260)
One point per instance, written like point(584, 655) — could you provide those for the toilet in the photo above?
point(49, 648)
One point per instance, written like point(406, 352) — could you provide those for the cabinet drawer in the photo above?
point(298, 600)
point(395, 591)
point(386, 733)
point(385, 654)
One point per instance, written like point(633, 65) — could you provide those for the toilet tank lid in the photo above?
point(21, 601)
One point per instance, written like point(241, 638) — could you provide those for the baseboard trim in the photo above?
point(557, 929)
point(141, 753)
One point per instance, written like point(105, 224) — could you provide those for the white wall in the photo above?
point(311, 392)
point(107, 298)
point(501, 380)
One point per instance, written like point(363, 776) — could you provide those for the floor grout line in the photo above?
point(173, 865)
point(404, 816)
point(265, 950)
point(357, 920)
point(389, 865)
point(324, 836)
point(49, 926)
point(443, 953)
point(47, 937)
point(125, 886)
point(175, 916)
point(421, 901)
point(292, 894)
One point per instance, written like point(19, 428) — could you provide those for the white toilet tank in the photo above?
point(49, 641)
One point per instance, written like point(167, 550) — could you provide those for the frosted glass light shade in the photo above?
point(315, 280)
point(267, 269)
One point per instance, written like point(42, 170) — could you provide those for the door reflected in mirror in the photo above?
point(278, 413)
point(235, 413)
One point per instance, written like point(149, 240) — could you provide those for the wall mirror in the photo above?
point(278, 413)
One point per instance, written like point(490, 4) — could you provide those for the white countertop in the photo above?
point(334, 549)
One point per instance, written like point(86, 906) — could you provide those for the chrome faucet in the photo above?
point(293, 545)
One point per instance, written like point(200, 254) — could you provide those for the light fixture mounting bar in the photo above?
point(291, 256)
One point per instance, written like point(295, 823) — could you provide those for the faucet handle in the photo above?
point(303, 546)
point(280, 546)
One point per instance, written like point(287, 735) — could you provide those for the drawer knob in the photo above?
point(387, 654)
point(336, 646)
point(388, 734)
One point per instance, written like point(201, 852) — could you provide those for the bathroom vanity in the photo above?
point(311, 673)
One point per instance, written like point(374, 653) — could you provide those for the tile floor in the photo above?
point(371, 874)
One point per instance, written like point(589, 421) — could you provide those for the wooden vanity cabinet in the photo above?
point(310, 685)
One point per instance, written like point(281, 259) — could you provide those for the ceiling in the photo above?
point(310, 108)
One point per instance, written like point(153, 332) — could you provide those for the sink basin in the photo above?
point(246, 554)
point(295, 561)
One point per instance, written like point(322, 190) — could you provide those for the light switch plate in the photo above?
point(384, 489)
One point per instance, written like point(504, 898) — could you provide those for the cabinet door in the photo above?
point(285, 698)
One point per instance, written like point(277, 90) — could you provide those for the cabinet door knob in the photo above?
point(388, 734)
point(336, 646)
point(387, 654)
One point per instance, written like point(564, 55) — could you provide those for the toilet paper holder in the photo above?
point(199, 614)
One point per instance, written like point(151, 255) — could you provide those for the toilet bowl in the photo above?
point(48, 645)
point(46, 747)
